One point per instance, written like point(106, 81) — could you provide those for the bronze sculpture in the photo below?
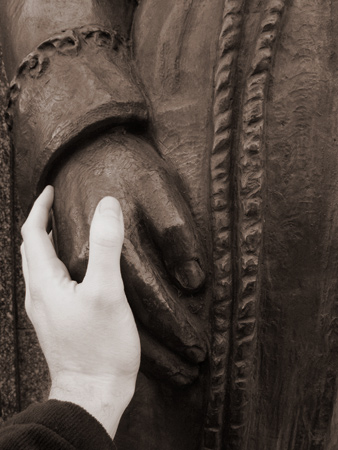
point(253, 97)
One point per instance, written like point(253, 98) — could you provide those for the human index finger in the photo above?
point(39, 250)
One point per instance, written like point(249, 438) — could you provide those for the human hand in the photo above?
point(162, 259)
point(86, 331)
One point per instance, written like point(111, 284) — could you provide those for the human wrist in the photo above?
point(104, 398)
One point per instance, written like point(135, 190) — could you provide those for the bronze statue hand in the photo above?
point(161, 248)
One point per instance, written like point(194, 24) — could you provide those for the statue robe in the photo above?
point(243, 105)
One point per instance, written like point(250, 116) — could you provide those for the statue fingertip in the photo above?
point(190, 275)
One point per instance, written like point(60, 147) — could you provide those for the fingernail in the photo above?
point(109, 206)
point(195, 354)
point(190, 275)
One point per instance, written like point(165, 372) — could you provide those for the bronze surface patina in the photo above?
point(214, 124)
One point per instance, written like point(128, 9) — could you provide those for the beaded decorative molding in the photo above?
point(220, 170)
point(236, 295)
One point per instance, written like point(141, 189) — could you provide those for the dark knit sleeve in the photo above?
point(54, 425)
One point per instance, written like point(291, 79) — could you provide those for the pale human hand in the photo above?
point(86, 331)
point(163, 256)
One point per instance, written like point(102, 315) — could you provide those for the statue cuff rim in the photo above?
point(73, 84)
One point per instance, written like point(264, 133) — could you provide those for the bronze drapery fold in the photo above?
point(273, 168)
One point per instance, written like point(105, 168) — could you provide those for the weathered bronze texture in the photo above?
point(214, 124)
point(59, 76)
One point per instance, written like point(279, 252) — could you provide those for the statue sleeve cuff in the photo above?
point(74, 84)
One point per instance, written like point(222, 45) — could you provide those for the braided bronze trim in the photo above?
point(220, 163)
point(240, 308)
point(250, 174)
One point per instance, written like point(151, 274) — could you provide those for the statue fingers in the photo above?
point(172, 227)
point(159, 362)
point(155, 303)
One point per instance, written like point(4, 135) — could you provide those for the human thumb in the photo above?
point(105, 243)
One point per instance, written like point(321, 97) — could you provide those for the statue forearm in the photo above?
point(26, 23)
point(69, 79)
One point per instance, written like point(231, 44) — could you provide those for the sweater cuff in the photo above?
point(70, 421)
